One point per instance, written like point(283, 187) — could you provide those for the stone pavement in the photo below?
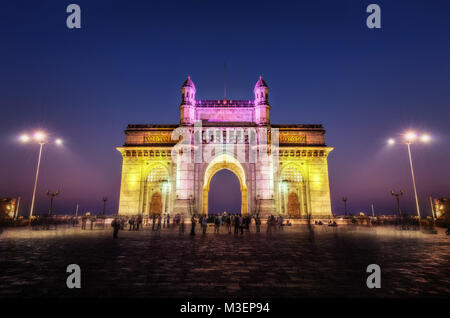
point(294, 262)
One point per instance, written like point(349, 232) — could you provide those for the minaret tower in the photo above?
point(262, 106)
point(187, 107)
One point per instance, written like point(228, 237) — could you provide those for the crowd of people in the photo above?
point(230, 223)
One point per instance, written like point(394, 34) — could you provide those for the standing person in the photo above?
point(280, 222)
point(158, 225)
point(216, 224)
point(182, 224)
point(224, 218)
point(258, 223)
point(153, 221)
point(269, 224)
point(83, 222)
point(116, 226)
point(193, 225)
point(139, 222)
point(131, 223)
point(241, 223)
point(248, 220)
point(135, 222)
point(164, 221)
point(236, 224)
point(168, 220)
point(228, 222)
point(92, 222)
point(204, 224)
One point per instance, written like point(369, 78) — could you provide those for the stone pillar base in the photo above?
point(181, 206)
point(266, 207)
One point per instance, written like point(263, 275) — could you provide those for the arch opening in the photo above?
point(225, 193)
point(225, 161)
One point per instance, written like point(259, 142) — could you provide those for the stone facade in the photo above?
point(282, 169)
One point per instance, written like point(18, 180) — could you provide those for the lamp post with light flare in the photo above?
point(409, 138)
point(41, 138)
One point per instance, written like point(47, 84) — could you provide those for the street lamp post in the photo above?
point(36, 179)
point(41, 138)
point(409, 138)
point(104, 204)
point(397, 196)
point(345, 205)
point(52, 195)
point(413, 179)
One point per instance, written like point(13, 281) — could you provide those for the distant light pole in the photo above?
point(41, 138)
point(397, 196)
point(104, 204)
point(432, 211)
point(409, 138)
point(16, 212)
point(345, 205)
point(52, 195)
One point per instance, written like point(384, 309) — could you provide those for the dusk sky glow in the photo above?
point(323, 66)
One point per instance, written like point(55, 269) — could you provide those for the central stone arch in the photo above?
point(228, 162)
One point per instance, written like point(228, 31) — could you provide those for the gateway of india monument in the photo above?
point(282, 169)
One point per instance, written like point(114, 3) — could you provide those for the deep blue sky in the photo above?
point(129, 59)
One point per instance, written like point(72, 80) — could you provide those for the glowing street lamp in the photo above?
point(425, 138)
point(409, 138)
point(41, 138)
point(24, 138)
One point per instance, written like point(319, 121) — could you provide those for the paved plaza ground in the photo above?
point(295, 262)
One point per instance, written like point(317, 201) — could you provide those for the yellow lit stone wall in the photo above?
point(312, 187)
point(136, 184)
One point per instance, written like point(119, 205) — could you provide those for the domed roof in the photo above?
point(188, 82)
point(261, 83)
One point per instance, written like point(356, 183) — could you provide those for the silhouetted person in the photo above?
point(228, 222)
point(158, 225)
point(204, 224)
point(241, 224)
point(270, 219)
point(116, 226)
point(216, 224)
point(131, 223)
point(83, 222)
point(92, 222)
point(193, 226)
point(138, 222)
point(236, 224)
point(257, 223)
point(182, 224)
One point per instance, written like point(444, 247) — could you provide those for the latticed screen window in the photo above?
point(292, 174)
point(157, 174)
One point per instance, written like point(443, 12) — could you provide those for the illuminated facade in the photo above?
point(282, 169)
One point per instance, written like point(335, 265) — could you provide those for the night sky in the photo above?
point(322, 64)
